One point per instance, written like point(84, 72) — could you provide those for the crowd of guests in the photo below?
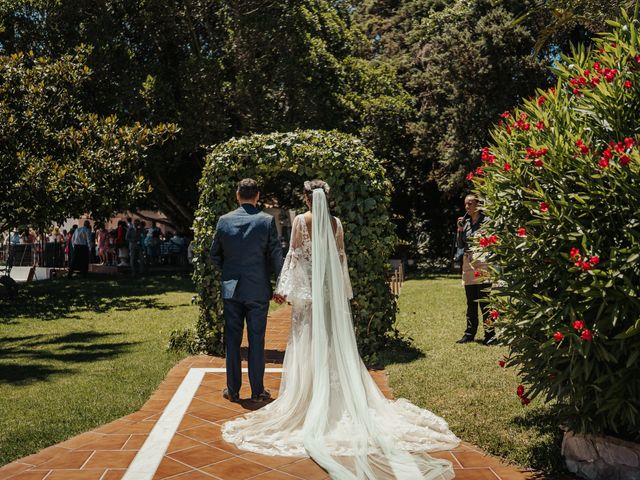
point(131, 243)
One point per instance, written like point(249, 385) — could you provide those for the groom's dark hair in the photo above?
point(247, 189)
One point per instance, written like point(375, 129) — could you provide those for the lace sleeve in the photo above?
point(286, 280)
point(343, 259)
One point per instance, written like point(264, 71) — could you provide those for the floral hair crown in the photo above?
point(325, 187)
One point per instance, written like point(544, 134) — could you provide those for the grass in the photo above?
point(77, 354)
point(463, 383)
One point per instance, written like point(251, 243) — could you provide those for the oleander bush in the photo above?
point(561, 184)
point(280, 163)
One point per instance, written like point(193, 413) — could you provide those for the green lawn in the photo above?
point(77, 354)
point(463, 383)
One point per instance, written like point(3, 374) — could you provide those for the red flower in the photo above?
point(574, 252)
point(540, 125)
point(477, 274)
point(579, 142)
point(628, 84)
point(625, 160)
point(541, 100)
point(479, 171)
point(578, 325)
point(614, 44)
point(604, 163)
point(506, 167)
point(520, 391)
point(525, 401)
point(505, 114)
point(484, 242)
point(494, 314)
point(522, 232)
point(578, 263)
point(586, 335)
point(544, 207)
point(637, 58)
point(594, 260)
point(595, 80)
point(558, 336)
point(586, 266)
point(587, 73)
point(470, 176)
point(607, 153)
point(538, 163)
point(629, 142)
point(502, 363)
point(487, 156)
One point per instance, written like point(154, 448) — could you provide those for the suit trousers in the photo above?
point(477, 297)
point(235, 314)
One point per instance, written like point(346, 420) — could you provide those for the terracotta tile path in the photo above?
point(196, 451)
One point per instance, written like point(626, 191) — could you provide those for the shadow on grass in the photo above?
point(545, 454)
point(399, 350)
point(29, 358)
point(66, 298)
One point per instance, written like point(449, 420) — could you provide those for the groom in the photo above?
point(246, 250)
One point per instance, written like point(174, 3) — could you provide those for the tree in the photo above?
point(57, 160)
point(560, 183)
point(465, 62)
point(218, 70)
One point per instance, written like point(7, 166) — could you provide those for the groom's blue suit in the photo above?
point(246, 250)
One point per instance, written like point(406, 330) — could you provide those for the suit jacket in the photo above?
point(246, 250)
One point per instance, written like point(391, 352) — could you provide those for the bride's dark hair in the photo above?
point(311, 185)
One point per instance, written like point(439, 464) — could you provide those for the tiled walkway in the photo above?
point(196, 450)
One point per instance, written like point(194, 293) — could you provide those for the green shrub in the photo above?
point(280, 163)
point(561, 183)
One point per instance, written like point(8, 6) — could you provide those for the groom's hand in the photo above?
point(279, 299)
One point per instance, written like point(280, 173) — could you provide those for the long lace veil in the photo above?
point(344, 397)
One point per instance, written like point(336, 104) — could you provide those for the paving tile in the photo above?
point(76, 475)
point(275, 475)
point(512, 473)
point(273, 462)
point(182, 442)
point(194, 475)
point(78, 441)
point(135, 442)
point(169, 467)
point(113, 474)
point(31, 475)
point(475, 474)
point(66, 460)
point(307, 469)
point(200, 456)
point(204, 433)
point(470, 459)
point(107, 442)
point(111, 459)
point(235, 468)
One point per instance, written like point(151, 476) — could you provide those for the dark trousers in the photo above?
point(477, 297)
point(79, 259)
point(235, 313)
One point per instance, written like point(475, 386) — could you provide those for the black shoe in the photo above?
point(465, 339)
point(231, 398)
point(262, 397)
point(490, 339)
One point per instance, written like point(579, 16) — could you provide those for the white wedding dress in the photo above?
point(328, 406)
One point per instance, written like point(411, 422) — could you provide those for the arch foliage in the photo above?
point(280, 162)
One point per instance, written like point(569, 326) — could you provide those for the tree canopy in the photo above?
point(56, 159)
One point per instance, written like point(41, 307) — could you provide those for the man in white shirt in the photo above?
point(81, 243)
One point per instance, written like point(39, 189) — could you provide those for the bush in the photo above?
point(280, 163)
point(561, 184)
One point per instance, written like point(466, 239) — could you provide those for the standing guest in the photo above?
point(103, 244)
point(81, 241)
point(93, 238)
point(121, 243)
point(133, 238)
point(14, 239)
point(474, 272)
point(68, 248)
point(112, 253)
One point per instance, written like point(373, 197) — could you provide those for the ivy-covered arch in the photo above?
point(280, 162)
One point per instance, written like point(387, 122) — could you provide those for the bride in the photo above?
point(328, 406)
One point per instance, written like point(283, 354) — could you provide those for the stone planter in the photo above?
point(600, 457)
